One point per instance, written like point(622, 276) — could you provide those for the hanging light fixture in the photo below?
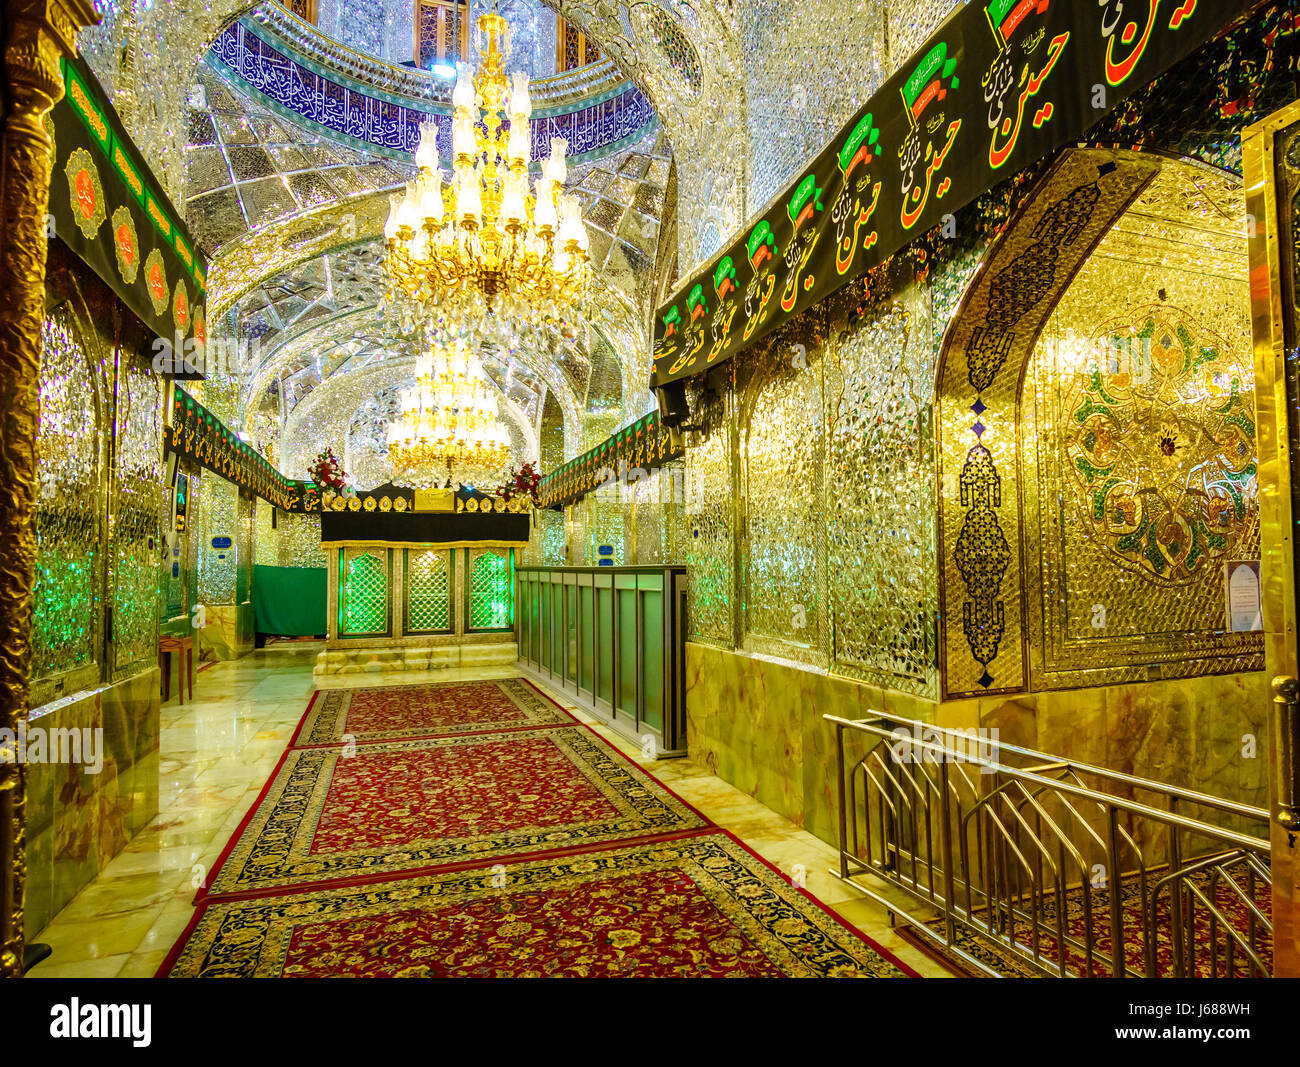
point(490, 242)
point(448, 431)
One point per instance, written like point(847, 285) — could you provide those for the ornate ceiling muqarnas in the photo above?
point(282, 144)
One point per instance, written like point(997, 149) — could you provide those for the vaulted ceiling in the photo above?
point(697, 112)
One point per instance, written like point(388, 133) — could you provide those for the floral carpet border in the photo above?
point(783, 930)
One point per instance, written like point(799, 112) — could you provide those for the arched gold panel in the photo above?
point(984, 357)
point(1097, 436)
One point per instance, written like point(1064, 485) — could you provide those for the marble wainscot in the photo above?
point(425, 585)
point(757, 723)
point(228, 630)
point(82, 814)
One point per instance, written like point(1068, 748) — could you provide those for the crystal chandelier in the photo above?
point(486, 244)
point(448, 432)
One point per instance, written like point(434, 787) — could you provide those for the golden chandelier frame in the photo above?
point(450, 419)
point(486, 244)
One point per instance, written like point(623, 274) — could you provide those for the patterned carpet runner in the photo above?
point(701, 906)
point(477, 829)
point(399, 712)
point(396, 807)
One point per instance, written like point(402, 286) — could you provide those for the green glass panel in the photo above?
point(523, 598)
point(342, 587)
point(544, 611)
point(556, 634)
point(627, 651)
point(605, 645)
point(571, 632)
point(489, 592)
point(428, 591)
point(652, 662)
point(535, 624)
point(366, 596)
point(586, 618)
point(557, 629)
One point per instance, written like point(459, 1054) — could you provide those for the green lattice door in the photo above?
point(363, 593)
point(489, 587)
point(428, 591)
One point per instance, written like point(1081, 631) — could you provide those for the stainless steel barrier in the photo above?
point(1070, 869)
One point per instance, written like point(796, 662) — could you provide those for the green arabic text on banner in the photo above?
point(1002, 84)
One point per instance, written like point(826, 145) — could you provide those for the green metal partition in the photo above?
point(364, 592)
point(613, 638)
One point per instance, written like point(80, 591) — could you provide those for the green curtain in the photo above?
point(289, 601)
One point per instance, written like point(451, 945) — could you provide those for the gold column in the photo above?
point(36, 34)
point(1270, 186)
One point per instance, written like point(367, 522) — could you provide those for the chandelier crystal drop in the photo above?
point(488, 243)
point(448, 430)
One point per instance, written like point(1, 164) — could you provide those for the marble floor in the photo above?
point(218, 751)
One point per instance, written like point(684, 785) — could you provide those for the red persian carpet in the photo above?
point(396, 712)
point(1009, 965)
point(476, 829)
point(397, 807)
point(699, 905)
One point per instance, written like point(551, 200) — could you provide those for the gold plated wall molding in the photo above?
point(37, 33)
point(1271, 157)
point(980, 372)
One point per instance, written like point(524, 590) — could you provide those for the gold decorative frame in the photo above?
point(981, 369)
point(128, 269)
point(181, 306)
point(154, 263)
point(37, 35)
point(1273, 246)
point(79, 162)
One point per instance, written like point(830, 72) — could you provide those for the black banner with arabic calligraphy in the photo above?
point(194, 432)
point(109, 209)
point(1002, 84)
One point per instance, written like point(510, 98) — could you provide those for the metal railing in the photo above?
point(1037, 864)
point(613, 638)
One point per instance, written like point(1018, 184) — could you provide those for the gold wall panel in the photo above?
point(604, 524)
point(70, 451)
point(218, 507)
point(299, 537)
point(1139, 459)
point(1271, 154)
point(135, 506)
point(645, 527)
point(985, 353)
point(550, 525)
point(783, 535)
point(575, 535)
point(881, 493)
point(710, 554)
